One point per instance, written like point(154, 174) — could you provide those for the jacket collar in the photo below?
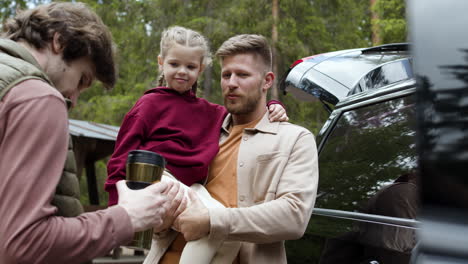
point(14, 49)
point(264, 125)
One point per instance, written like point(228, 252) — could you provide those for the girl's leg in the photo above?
point(206, 250)
point(203, 250)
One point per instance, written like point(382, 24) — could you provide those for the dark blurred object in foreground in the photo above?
point(442, 127)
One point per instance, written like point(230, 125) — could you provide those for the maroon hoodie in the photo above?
point(181, 127)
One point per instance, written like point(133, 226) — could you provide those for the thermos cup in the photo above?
point(143, 169)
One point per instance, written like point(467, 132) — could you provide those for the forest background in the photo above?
point(295, 28)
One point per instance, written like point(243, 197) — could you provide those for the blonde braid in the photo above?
point(161, 80)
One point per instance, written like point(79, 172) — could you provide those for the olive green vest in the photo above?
point(17, 65)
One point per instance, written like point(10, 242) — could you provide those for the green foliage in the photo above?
point(308, 28)
point(304, 28)
point(8, 8)
point(137, 50)
point(101, 175)
point(391, 21)
point(310, 115)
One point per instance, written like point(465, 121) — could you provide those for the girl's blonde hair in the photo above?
point(185, 37)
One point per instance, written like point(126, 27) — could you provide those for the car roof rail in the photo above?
point(388, 47)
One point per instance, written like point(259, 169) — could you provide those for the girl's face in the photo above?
point(181, 67)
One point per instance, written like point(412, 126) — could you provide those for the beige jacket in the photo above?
point(277, 177)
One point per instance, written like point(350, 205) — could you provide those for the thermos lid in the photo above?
point(145, 156)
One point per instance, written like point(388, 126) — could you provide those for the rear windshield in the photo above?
point(349, 68)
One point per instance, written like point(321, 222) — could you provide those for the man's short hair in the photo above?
point(82, 34)
point(247, 43)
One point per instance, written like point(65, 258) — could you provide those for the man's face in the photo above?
point(70, 78)
point(244, 81)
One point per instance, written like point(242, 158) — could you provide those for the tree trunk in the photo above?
point(209, 69)
point(375, 27)
point(274, 40)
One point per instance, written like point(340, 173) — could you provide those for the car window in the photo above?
point(348, 68)
point(386, 74)
point(367, 166)
point(370, 149)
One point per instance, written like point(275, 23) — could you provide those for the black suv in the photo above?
point(368, 193)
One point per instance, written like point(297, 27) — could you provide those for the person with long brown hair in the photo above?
point(49, 55)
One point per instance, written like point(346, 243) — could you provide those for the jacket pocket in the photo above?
point(269, 168)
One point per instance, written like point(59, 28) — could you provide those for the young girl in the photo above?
point(171, 120)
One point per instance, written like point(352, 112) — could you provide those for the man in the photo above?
point(49, 54)
point(266, 174)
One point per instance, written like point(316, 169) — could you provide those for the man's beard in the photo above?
point(246, 105)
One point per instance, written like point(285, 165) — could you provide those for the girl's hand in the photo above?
point(177, 204)
point(277, 113)
point(194, 222)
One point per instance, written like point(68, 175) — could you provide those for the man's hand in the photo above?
point(277, 113)
point(194, 222)
point(177, 204)
point(146, 207)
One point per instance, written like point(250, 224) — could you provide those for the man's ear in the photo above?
point(202, 68)
point(56, 46)
point(269, 79)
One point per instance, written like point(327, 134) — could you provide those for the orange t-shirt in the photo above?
point(221, 184)
point(222, 175)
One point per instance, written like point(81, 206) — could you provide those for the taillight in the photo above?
point(296, 63)
point(303, 59)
